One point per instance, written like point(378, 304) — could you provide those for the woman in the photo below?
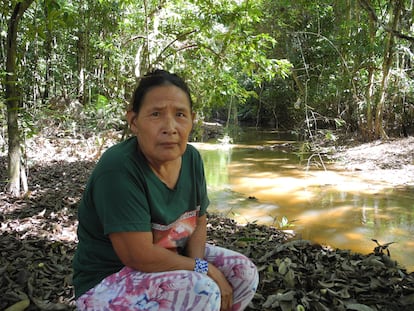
point(142, 218)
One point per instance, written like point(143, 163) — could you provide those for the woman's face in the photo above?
point(163, 124)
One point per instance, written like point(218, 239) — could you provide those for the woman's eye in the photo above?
point(155, 113)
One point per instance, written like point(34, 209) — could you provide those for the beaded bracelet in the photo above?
point(201, 266)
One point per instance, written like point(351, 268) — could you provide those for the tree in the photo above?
point(214, 46)
point(13, 99)
point(350, 64)
point(389, 24)
point(93, 51)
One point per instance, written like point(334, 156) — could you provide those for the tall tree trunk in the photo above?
point(143, 57)
point(13, 98)
point(386, 66)
point(259, 108)
point(82, 50)
point(369, 92)
point(48, 58)
point(81, 59)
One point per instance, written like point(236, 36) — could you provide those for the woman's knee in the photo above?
point(207, 293)
point(253, 275)
point(246, 269)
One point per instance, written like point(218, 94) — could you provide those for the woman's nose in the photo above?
point(170, 125)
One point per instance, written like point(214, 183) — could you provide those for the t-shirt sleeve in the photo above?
point(202, 196)
point(121, 202)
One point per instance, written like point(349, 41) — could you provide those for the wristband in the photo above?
point(201, 266)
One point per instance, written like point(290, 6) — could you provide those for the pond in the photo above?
point(260, 179)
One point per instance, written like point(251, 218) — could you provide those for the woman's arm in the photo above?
point(197, 241)
point(196, 248)
point(136, 250)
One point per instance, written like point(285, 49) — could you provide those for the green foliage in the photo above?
point(104, 114)
point(259, 57)
point(284, 222)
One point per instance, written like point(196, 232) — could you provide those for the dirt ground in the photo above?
point(389, 161)
point(38, 236)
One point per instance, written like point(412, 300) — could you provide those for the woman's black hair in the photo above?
point(158, 77)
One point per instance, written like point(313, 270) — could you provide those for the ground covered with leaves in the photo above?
point(38, 239)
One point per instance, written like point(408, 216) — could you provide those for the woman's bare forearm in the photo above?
point(137, 251)
point(196, 244)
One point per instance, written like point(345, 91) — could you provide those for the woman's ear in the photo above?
point(131, 117)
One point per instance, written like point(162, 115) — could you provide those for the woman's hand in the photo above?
point(225, 288)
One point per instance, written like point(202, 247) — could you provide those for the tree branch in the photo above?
point(371, 12)
point(179, 37)
point(133, 39)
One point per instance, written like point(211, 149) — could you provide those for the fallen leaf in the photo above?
point(19, 306)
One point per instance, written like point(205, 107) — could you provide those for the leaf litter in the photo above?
point(38, 240)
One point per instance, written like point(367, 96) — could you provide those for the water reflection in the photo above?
point(254, 184)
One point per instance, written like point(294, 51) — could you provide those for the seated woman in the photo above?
point(142, 218)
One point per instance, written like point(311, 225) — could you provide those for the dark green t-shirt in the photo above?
point(123, 194)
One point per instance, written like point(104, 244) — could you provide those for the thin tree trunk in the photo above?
point(299, 84)
point(48, 59)
point(235, 116)
point(13, 99)
point(81, 66)
point(369, 94)
point(386, 66)
point(229, 112)
point(82, 52)
point(259, 108)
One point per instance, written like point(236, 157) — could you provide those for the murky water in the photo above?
point(254, 184)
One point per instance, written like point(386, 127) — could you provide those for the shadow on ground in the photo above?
point(38, 239)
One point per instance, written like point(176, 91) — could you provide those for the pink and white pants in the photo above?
point(180, 290)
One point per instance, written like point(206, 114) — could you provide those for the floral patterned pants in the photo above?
point(179, 290)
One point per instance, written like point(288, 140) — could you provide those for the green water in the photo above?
point(252, 182)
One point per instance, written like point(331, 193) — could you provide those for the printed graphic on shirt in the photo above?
point(175, 235)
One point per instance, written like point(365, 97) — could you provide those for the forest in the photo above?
point(312, 67)
point(69, 67)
